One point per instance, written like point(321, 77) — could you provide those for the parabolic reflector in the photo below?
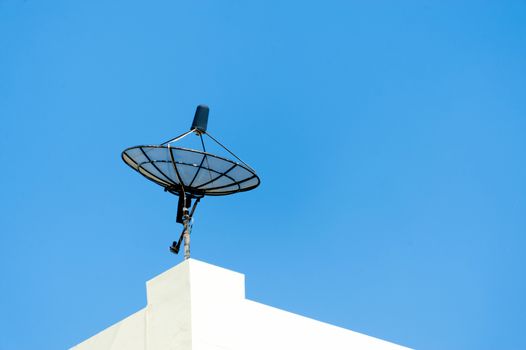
point(199, 172)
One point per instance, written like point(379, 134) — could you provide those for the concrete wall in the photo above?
point(199, 306)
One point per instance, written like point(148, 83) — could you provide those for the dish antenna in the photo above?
point(191, 174)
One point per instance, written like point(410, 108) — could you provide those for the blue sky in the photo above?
point(389, 137)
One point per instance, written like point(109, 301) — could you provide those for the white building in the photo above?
point(198, 306)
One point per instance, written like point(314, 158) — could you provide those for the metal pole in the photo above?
point(186, 235)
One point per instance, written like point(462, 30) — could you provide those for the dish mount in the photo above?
point(191, 174)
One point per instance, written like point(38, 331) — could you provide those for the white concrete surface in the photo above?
point(198, 306)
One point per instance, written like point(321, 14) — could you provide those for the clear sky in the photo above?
point(389, 137)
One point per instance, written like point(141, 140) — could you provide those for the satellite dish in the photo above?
point(191, 174)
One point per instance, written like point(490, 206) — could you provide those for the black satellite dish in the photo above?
point(191, 174)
